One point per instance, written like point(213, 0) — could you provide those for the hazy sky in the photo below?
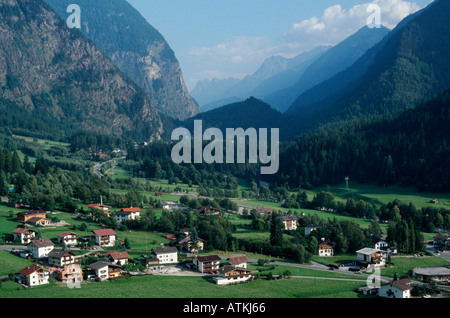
point(231, 38)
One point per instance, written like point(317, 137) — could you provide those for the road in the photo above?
point(445, 255)
point(98, 167)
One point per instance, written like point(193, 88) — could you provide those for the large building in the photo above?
point(166, 255)
point(105, 237)
point(427, 274)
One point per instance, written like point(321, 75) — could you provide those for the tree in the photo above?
point(276, 230)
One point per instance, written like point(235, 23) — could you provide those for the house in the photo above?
point(380, 243)
point(289, 222)
point(60, 258)
point(68, 238)
point(166, 255)
point(170, 206)
point(105, 237)
point(264, 211)
point(70, 274)
point(103, 271)
point(23, 235)
point(441, 242)
point(35, 221)
point(209, 210)
point(207, 264)
point(371, 257)
point(40, 248)
point(396, 289)
point(232, 275)
point(127, 214)
point(238, 261)
point(99, 207)
point(118, 258)
point(33, 275)
point(26, 215)
point(158, 194)
point(325, 249)
point(186, 244)
point(428, 274)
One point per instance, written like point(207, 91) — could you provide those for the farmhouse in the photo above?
point(27, 215)
point(40, 248)
point(99, 207)
point(33, 275)
point(207, 264)
point(127, 214)
point(396, 289)
point(60, 258)
point(232, 275)
point(186, 244)
point(118, 258)
point(370, 257)
point(35, 221)
point(68, 238)
point(325, 249)
point(427, 274)
point(166, 255)
point(289, 222)
point(209, 210)
point(105, 237)
point(23, 235)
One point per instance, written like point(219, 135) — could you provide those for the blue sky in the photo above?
point(231, 38)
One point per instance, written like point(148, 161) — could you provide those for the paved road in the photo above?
point(98, 167)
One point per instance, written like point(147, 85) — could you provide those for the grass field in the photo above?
point(402, 265)
point(188, 287)
point(11, 263)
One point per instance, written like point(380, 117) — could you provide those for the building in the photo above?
point(396, 289)
point(105, 237)
point(264, 211)
point(325, 249)
point(118, 258)
point(40, 248)
point(35, 221)
point(60, 258)
point(207, 264)
point(99, 207)
point(33, 275)
point(166, 255)
point(127, 214)
point(23, 235)
point(103, 271)
point(238, 261)
point(428, 274)
point(26, 215)
point(380, 243)
point(371, 257)
point(186, 244)
point(289, 222)
point(310, 229)
point(68, 238)
point(441, 242)
point(209, 210)
point(70, 274)
point(232, 275)
point(171, 206)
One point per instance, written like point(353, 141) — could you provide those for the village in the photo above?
point(56, 257)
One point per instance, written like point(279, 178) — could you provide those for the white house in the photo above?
point(396, 289)
point(60, 258)
point(371, 257)
point(105, 237)
point(325, 249)
point(118, 258)
point(207, 264)
point(289, 222)
point(23, 235)
point(239, 261)
point(40, 248)
point(166, 255)
point(33, 275)
point(68, 238)
point(127, 214)
point(101, 270)
point(232, 275)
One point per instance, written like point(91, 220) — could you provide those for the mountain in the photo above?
point(52, 77)
point(250, 113)
point(275, 73)
point(410, 148)
point(333, 61)
point(138, 49)
point(409, 68)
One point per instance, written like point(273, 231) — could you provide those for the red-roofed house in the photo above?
point(396, 289)
point(127, 214)
point(68, 238)
point(118, 258)
point(239, 261)
point(33, 275)
point(105, 237)
point(23, 235)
